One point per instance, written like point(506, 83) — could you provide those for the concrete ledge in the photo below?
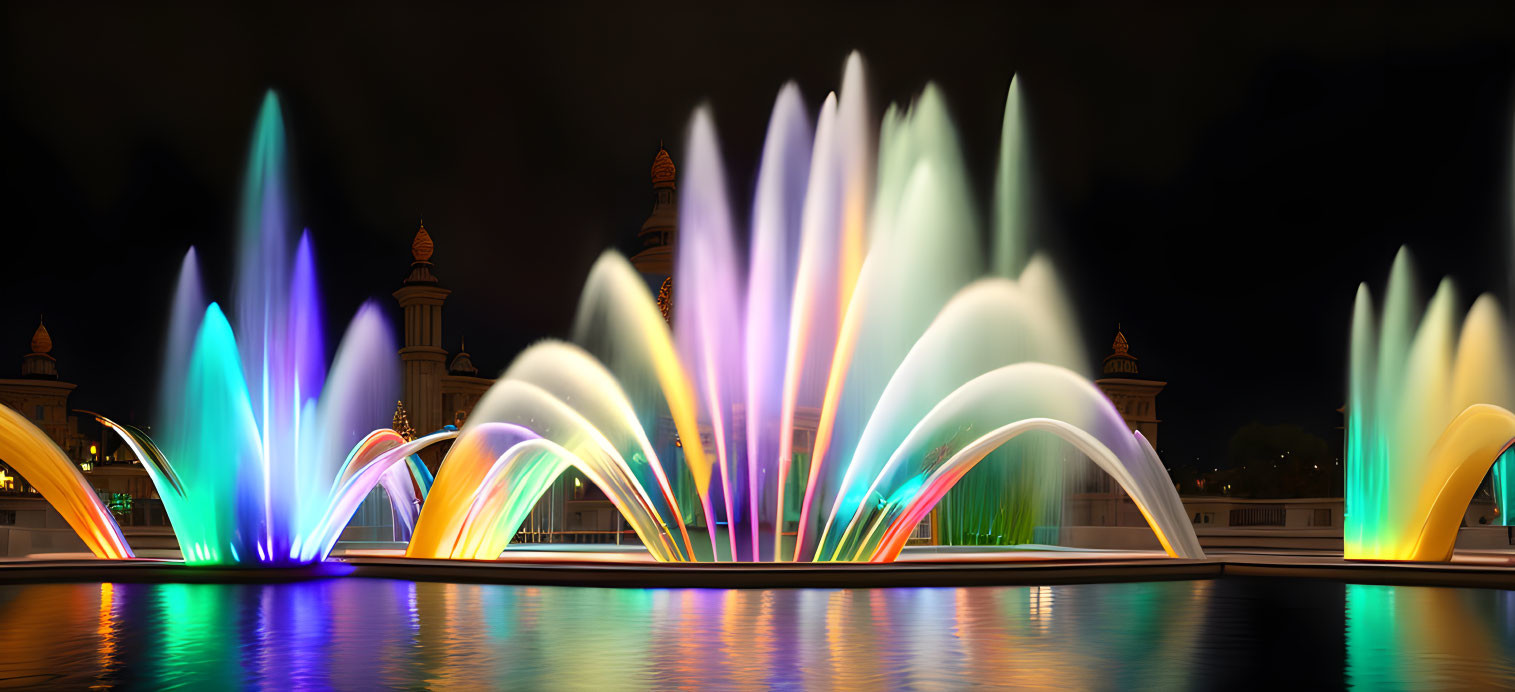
point(779, 576)
point(158, 572)
point(739, 576)
point(625, 575)
point(1387, 573)
point(786, 575)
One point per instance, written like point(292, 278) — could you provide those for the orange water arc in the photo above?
point(28, 450)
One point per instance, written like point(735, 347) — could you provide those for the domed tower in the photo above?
point(424, 360)
point(1133, 394)
point(660, 231)
point(42, 397)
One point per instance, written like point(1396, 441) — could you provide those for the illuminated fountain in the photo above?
point(857, 300)
point(262, 453)
point(1427, 416)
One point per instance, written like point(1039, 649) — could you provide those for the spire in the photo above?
point(462, 364)
point(1120, 361)
point(42, 342)
point(1121, 347)
point(663, 172)
point(421, 248)
point(39, 364)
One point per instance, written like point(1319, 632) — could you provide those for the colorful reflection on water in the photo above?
point(366, 634)
point(1455, 638)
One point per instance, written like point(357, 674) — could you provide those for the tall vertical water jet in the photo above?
point(833, 234)
point(922, 218)
point(1014, 197)
point(777, 215)
point(708, 321)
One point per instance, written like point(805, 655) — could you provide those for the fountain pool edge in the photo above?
point(780, 575)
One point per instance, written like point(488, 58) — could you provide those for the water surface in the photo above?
point(370, 633)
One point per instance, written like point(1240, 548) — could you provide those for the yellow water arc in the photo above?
point(612, 273)
point(442, 515)
point(32, 454)
point(476, 484)
point(1455, 465)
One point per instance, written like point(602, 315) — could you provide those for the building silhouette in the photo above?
point(438, 390)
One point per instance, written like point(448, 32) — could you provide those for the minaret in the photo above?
point(424, 358)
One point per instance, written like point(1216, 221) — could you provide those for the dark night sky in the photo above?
point(1219, 180)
